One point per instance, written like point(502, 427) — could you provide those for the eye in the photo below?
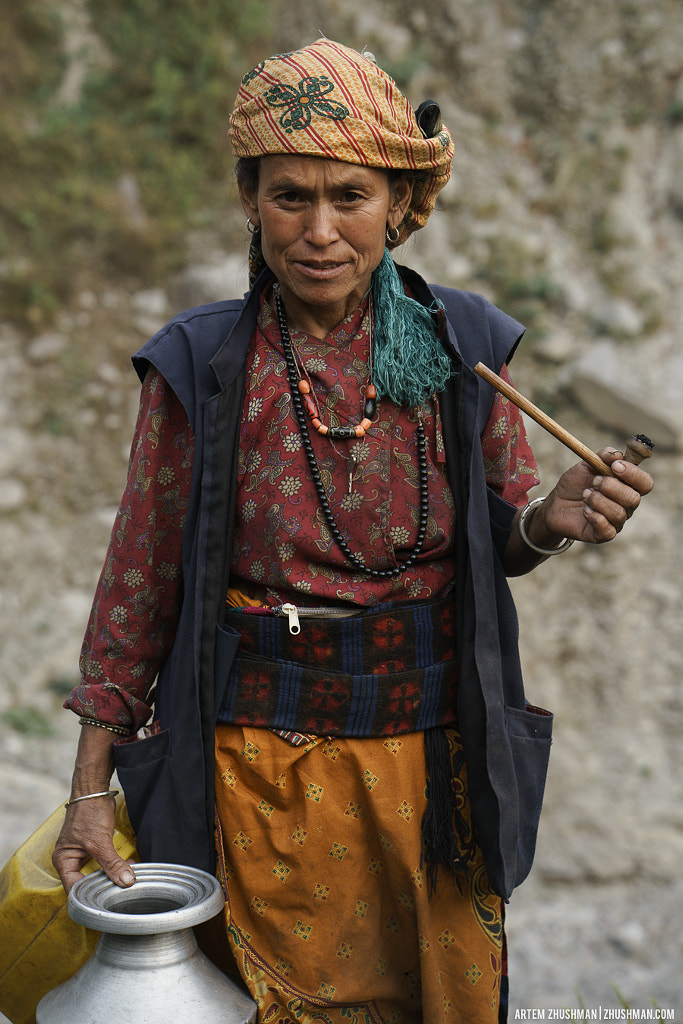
point(351, 196)
point(289, 196)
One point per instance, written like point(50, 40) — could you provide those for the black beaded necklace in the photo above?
point(297, 401)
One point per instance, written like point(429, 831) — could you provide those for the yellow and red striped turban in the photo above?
point(327, 100)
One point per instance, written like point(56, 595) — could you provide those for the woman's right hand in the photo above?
point(88, 828)
point(87, 834)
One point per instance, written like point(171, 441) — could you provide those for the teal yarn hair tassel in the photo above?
point(410, 363)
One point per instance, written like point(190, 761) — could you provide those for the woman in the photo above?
point(322, 505)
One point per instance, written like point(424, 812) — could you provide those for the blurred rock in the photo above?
point(151, 310)
point(15, 449)
point(620, 317)
point(209, 282)
point(130, 195)
point(46, 347)
point(13, 494)
point(635, 389)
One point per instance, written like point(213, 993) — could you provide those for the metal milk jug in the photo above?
point(147, 967)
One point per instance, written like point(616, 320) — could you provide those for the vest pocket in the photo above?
point(227, 642)
point(529, 732)
point(140, 768)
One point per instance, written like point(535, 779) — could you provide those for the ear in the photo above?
point(249, 200)
point(401, 194)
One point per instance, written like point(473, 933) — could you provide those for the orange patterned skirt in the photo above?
point(328, 912)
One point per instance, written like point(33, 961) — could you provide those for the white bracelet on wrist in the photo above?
point(521, 523)
point(91, 796)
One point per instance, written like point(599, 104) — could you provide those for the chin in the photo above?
point(319, 293)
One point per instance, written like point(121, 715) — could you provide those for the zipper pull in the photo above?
point(292, 614)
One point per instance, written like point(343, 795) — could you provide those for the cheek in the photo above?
point(373, 245)
point(367, 237)
point(274, 245)
point(273, 233)
point(278, 229)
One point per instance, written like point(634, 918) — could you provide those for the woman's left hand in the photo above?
point(592, 508)
point(582, 506)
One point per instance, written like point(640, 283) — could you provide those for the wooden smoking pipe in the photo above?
point(638, 447)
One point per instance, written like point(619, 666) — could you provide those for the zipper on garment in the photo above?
point(293, 613)
point(290, 610)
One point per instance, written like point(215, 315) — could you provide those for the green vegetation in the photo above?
point(675, 112)
point(113, 177)
point(28, 721)
point(521, 284)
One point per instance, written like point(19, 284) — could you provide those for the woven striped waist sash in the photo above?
point(386, 670)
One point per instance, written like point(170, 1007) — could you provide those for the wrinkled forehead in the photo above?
point(282, 170)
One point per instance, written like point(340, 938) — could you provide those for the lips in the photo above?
point(319, 270)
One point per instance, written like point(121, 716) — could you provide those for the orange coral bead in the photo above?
point(304, 387)
point(371, 391)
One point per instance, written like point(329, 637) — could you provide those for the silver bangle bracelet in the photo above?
point(521, 523)
point(91, 796)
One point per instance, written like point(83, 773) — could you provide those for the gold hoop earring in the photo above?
point(251, 227)
point(393, 238)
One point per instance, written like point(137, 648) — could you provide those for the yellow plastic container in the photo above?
point(40, 946)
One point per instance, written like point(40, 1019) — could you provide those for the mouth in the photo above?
point(319, 270)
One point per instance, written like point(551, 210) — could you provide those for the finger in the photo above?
point(634, 476)
point(69, 880)
point(606, 518)
point(68, 872)
point(601, 527)
point(118, 870)
point(609, 504)
point(73, 852)
point(609, 454)
point(611, 493)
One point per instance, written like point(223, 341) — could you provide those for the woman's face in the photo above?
point(323, 226)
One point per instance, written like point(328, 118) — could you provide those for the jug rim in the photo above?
point(164, 898)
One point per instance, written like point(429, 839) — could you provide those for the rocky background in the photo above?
point(565, 208)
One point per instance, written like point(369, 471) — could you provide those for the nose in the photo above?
point(321, 227)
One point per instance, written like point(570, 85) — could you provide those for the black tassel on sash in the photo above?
point(441, 819)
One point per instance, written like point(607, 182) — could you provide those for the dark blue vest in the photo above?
point(168, 777)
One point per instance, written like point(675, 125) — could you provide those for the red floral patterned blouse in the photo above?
point(283, 548)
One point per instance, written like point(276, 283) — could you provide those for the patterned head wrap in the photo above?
point(329, 101)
